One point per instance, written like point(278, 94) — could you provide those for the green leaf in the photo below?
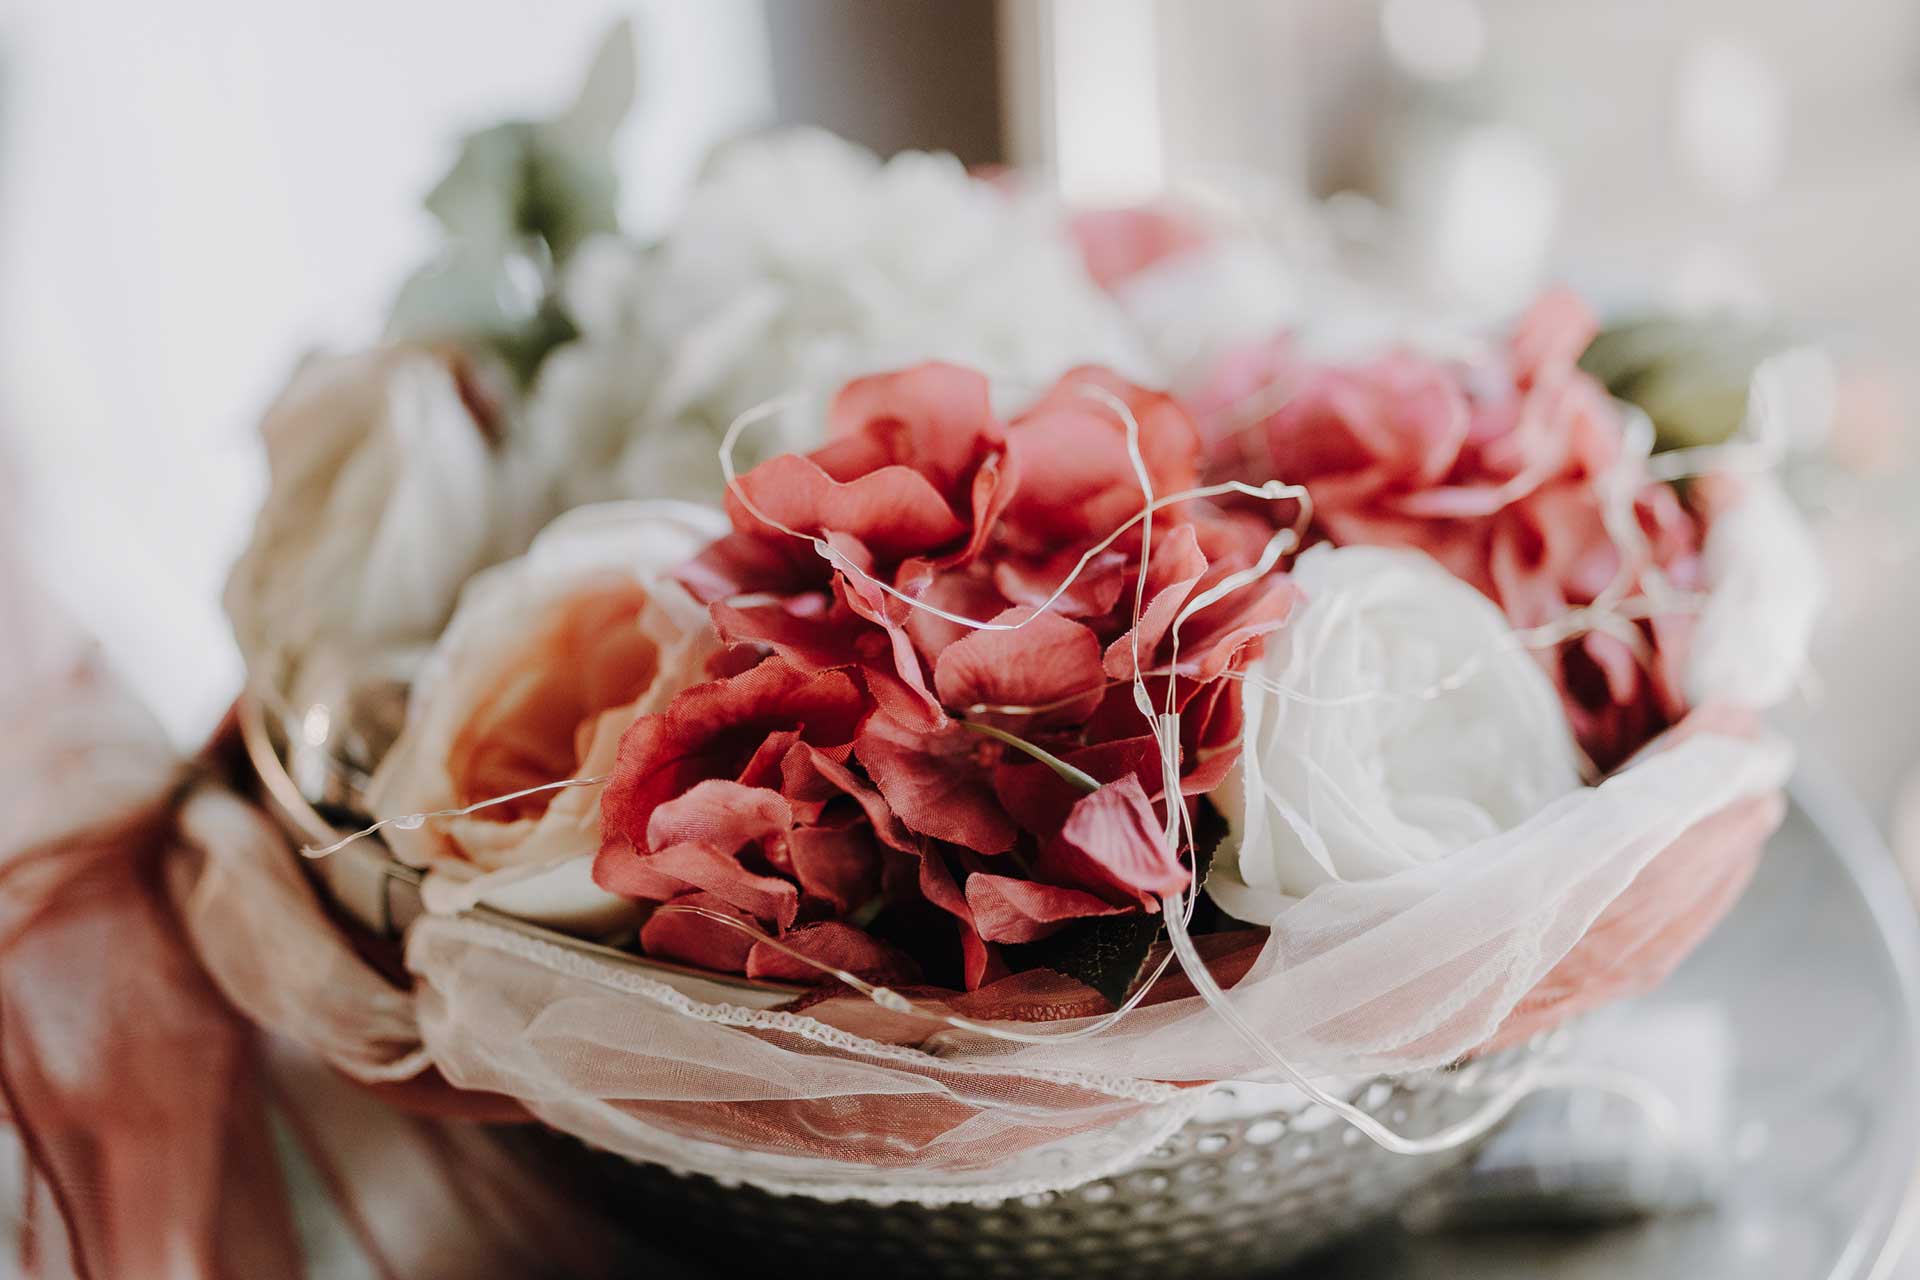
point(518, 201)
point(1688, 373)
point(1105, 954)
point(606, 95)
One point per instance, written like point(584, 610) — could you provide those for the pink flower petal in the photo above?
point(834, 945)
point(1040, 799)
point(1049, 662)
point(1010, 910)
point(690, 938)
point(674, 870)
point(715, 730)
point(1176, 565)
point(935, 783)
point(721, 813)
point(935, 418)
point(895, 511)
point(1111, 844)
point(1076, 479)
point(836, 865)
point(1118, 244)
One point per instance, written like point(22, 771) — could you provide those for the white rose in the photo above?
point(1361, 774)
point(1764, 589)
point(381, 502)
point(548, 659)
point(801, 261)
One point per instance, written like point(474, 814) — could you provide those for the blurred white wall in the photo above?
point(195, 192)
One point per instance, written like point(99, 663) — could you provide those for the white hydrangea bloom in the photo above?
point(1411, 727)
point(801, 261)
point(1195, 307)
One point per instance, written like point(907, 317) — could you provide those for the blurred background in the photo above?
point(193, 194)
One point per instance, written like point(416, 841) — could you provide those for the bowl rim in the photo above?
point(389, 919)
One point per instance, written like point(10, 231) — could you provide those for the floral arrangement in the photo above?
point(883, 714)
point(893, 690)
point(876, 591)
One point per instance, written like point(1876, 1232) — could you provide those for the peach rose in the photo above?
point(548, 659)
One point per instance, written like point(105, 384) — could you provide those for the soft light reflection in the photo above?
point(1436, 40)
point(1729, 121)
point(1493, 222)
point(1106, 99)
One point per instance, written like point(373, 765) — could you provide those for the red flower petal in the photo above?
point(676, 869)
point(1111, 845)
point(715, 730)
point(836, 945)
point(1176, 565)
point(836, 865)
point(935, 783)
point(894, 512)
point(1076, 479)
point(897, 681)
point(935, 418)
point(1040, 799)
point(690, 938)
point(756, 559)
point(1010, 910)
point(1218, 636)
point(1049, 662)
point(721, 813)
point(807, 767)
point(808, 638)
point(967, 593)
point(1092, 593)
point(1209, 738)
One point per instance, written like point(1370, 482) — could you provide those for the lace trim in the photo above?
point(1172, 1117)
point(576, 964)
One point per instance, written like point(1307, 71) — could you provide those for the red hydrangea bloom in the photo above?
point(851, 777)
point(1499, 471)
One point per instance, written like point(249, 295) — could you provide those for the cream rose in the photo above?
point(548, 659)
point(382, 500)
point(1410, 727)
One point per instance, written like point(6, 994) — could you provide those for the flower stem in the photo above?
point(1078, 777)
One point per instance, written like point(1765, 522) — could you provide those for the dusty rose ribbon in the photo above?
point(146, 1103)
point(132, 1084)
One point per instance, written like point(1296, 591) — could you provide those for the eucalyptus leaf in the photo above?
point(518, 201)
point(553, 180)
point(607, 93)
point(1690, 374)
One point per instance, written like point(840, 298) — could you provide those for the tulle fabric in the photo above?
point(152, 924)
point(151, 919)
point(1598, 895)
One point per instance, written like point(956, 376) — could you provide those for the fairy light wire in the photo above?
point(415, 821)
point(1614, 607)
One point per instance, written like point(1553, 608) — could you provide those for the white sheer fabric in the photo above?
point(1410, 971)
